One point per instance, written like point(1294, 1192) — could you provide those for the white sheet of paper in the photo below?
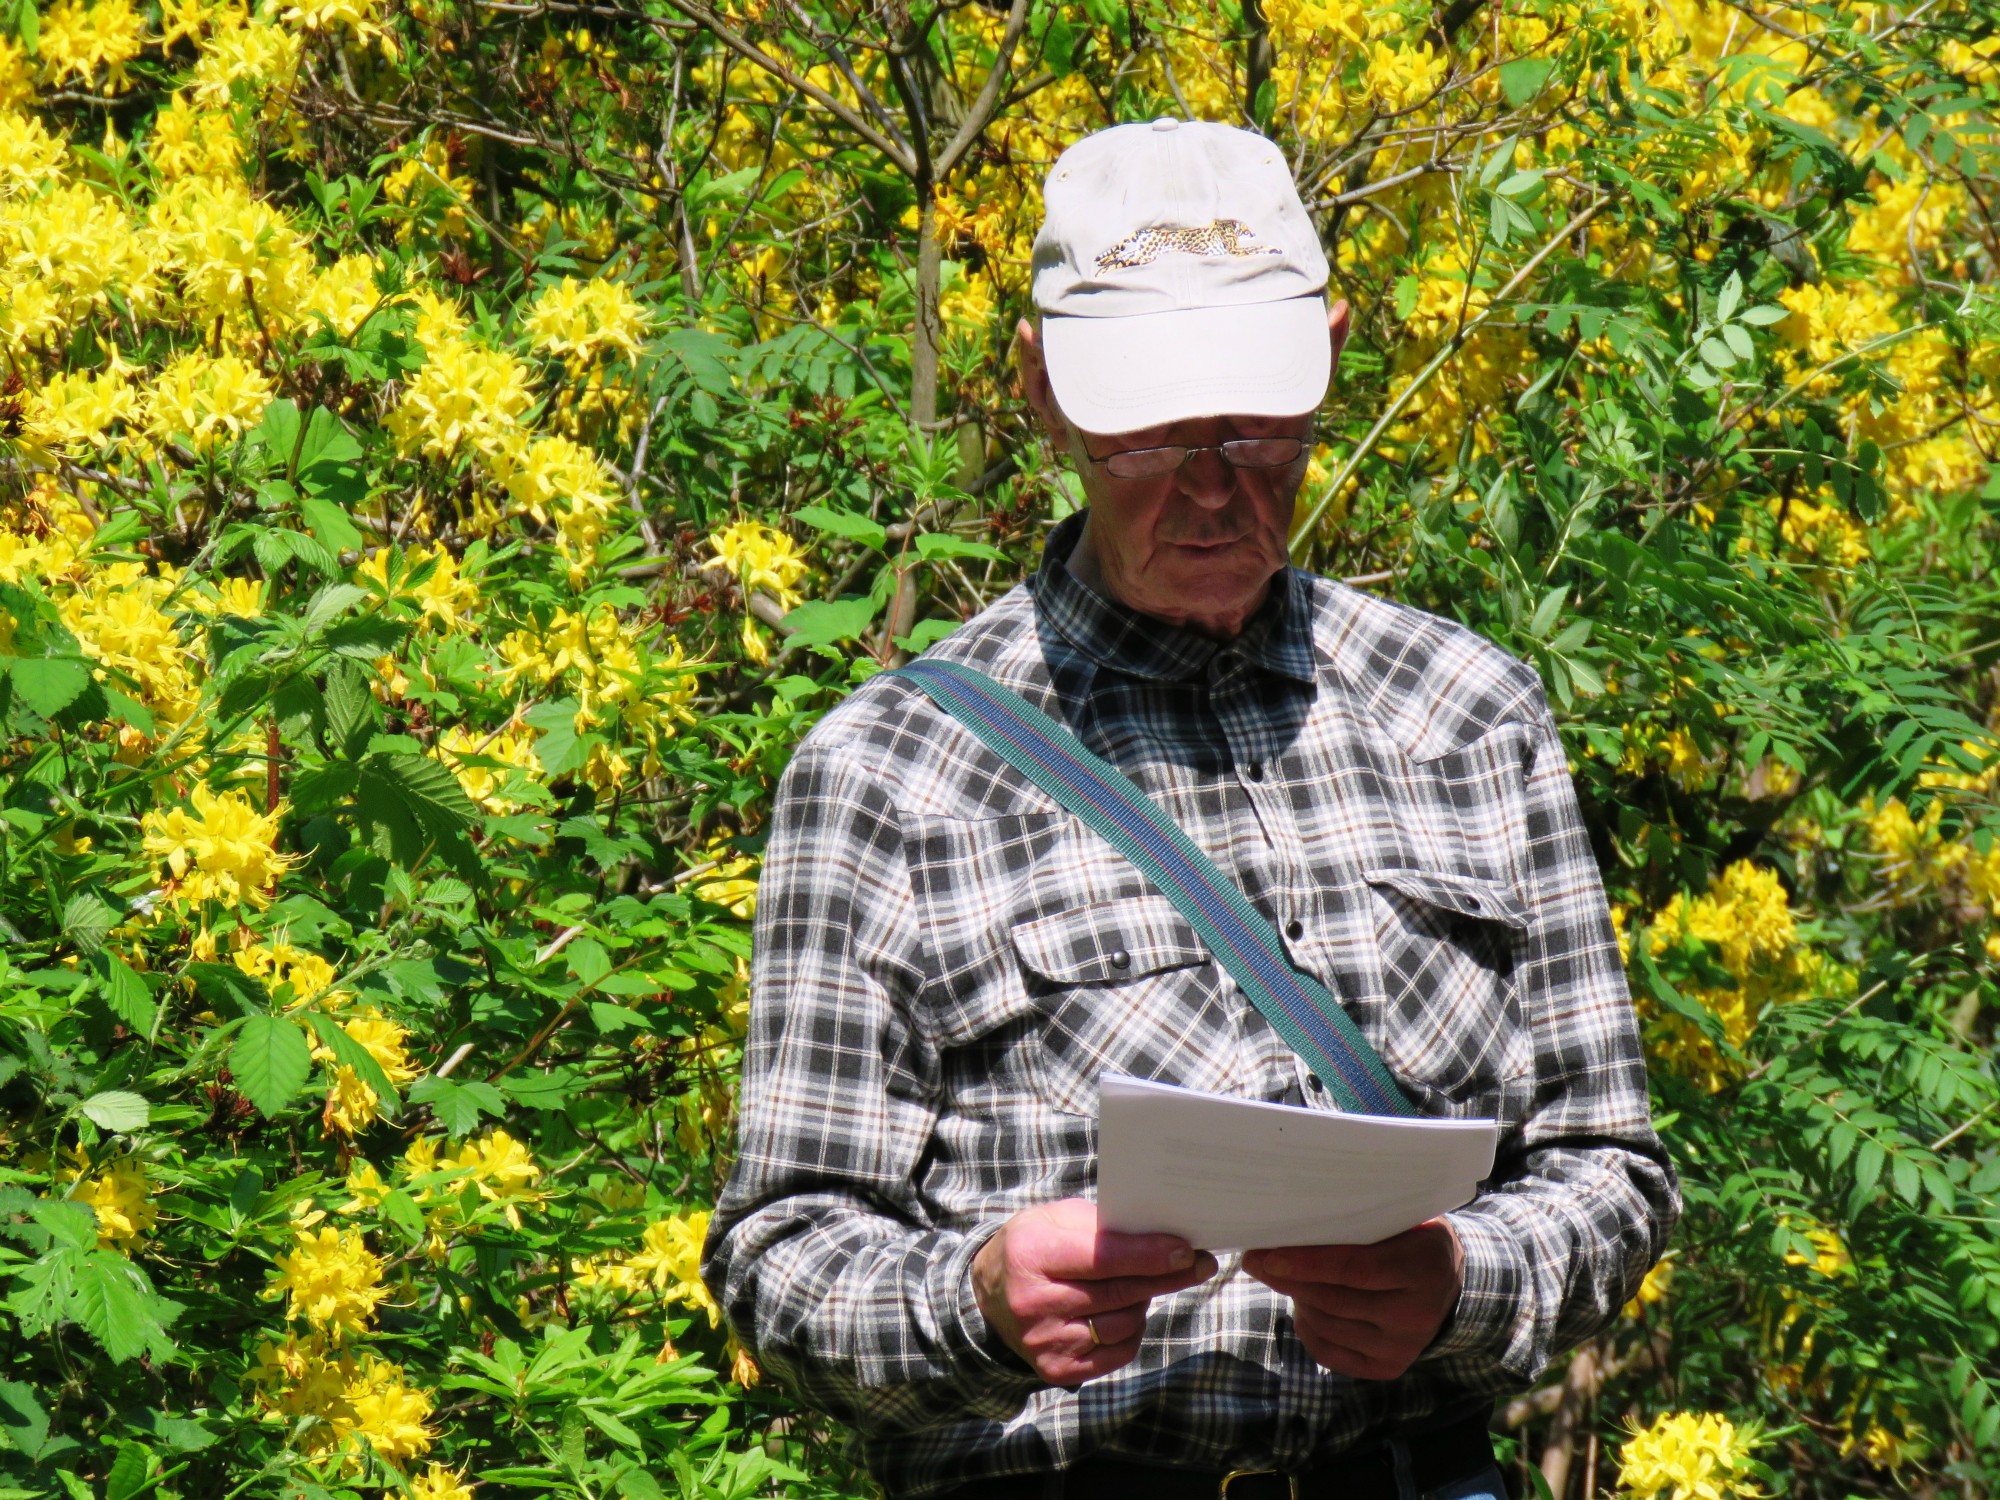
point(1240, 1174)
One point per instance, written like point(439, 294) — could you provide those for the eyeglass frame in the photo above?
point(1189, 450)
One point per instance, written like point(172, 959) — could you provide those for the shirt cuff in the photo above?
point(1489, 1298)
point(971, 1340)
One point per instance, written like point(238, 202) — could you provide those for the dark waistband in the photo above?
point(1432, 1458)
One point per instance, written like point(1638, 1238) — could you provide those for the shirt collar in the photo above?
point(1278, 638)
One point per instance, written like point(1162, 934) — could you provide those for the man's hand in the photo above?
point(1368, 1311)
point(1050, 1274)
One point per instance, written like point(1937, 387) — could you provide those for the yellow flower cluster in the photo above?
point(331, 1280)
point(667, 1264)
point(501, 1169)
point(222, 849)
point(1689, 1456)
point(580, 320)
point(340, 1396)
point(351, 1103)
point(467, 753)
point(1746, 920)
point(118, 1192)
point(297, 976)
point(760, 557)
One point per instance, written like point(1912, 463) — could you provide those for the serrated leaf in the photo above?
point(1737, 337)
point(330, 524)
point(1768, 313)
point(86, 918)
point(1717, 353)
point(117, 1110)
point(1522, 79)
point(49, 684)
point(113, 1301)
point(270, 1061)
point(415, 805)
point(125, 993)
point(365, 638)
point(458, 1106)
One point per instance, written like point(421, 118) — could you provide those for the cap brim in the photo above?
point(1265, 359)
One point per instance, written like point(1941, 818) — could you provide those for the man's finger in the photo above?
point(1079, 1298)
point(1103, 1255)
point(1377, 1309)
point(1392, 1264)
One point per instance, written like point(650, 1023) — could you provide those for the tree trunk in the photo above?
point(1258, 56)
point(928, 334)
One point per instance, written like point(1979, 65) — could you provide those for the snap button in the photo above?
point(1255, 770)
point(1120, 959)
point(1295, 929)
point(1313, 1084)
point(1166, 122)
point(1472, 903)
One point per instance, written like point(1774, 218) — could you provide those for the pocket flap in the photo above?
point(1109, 941)
point(1466, 895)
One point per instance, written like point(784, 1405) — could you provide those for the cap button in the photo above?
point(1166, 122)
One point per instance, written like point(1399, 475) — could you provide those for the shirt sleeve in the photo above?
point(820, 1250)
point(1583, 1197)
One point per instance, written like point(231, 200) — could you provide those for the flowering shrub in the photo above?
point(450, 452)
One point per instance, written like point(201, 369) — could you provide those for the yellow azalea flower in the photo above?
point(389, 1412)
point(428, 575)
point(246, 51)
point(76, 410)
point(351, 1104)
point(30, 158)
point(223, 850)
point(1688, 1456)
point(1652, 1290)
point(505, 1172)
point(332, 1280)
point(118, 619)
point(206, 400)
point(188, 141)
point(344, 293)
point(77, 38)
point(439, 1483)
point(118, 1193)
point(583, 319)
point(361, 19)
point(466, 398)
point(761, 557)
point(666, 1264)
point(278, 963)
point(513, 746)
point(241, 260)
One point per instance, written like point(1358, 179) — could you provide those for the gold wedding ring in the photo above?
point(1095, 1341)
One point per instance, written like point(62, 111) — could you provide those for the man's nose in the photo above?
point(1207, 478)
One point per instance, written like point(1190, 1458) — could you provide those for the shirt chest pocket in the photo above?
point(1453, 1027)
point(1123, 986)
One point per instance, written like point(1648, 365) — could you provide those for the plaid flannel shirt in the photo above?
point(946, 961)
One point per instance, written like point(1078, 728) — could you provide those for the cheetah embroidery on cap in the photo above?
point(1219, 237)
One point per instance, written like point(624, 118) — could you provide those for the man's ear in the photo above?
point(1035, 387)
point(1338, 321)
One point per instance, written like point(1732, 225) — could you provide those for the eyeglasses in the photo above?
point(1243, 453)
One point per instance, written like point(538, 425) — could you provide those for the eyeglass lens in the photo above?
point(1244, 453)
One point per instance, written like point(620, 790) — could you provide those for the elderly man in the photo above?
point(947, 960)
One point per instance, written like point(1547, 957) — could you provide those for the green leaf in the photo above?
point(270, 1061)
point(1717, 353)
point(1768, 313)
point(49, 684)
point(822, 625)
point(415, 806)
point(113, 1301)
point(366, 638)
point(1730, 298)
point(24, 1421)
point(1408, 290)
point(934, 546)
point(926, 634)
point(1737, 337)
point(86, 918)
point(458, 1106)
point(117, 1110)
point(844, 523)
point(129, 1472)
point(125, 993)
point(330, 524)
point(1522, 79)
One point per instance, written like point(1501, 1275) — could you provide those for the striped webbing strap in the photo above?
point(1242, 940)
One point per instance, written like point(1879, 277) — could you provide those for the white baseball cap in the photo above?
point(1178, 275)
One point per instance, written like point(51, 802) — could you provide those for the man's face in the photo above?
point(1202, 542)
point(1199, 545)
